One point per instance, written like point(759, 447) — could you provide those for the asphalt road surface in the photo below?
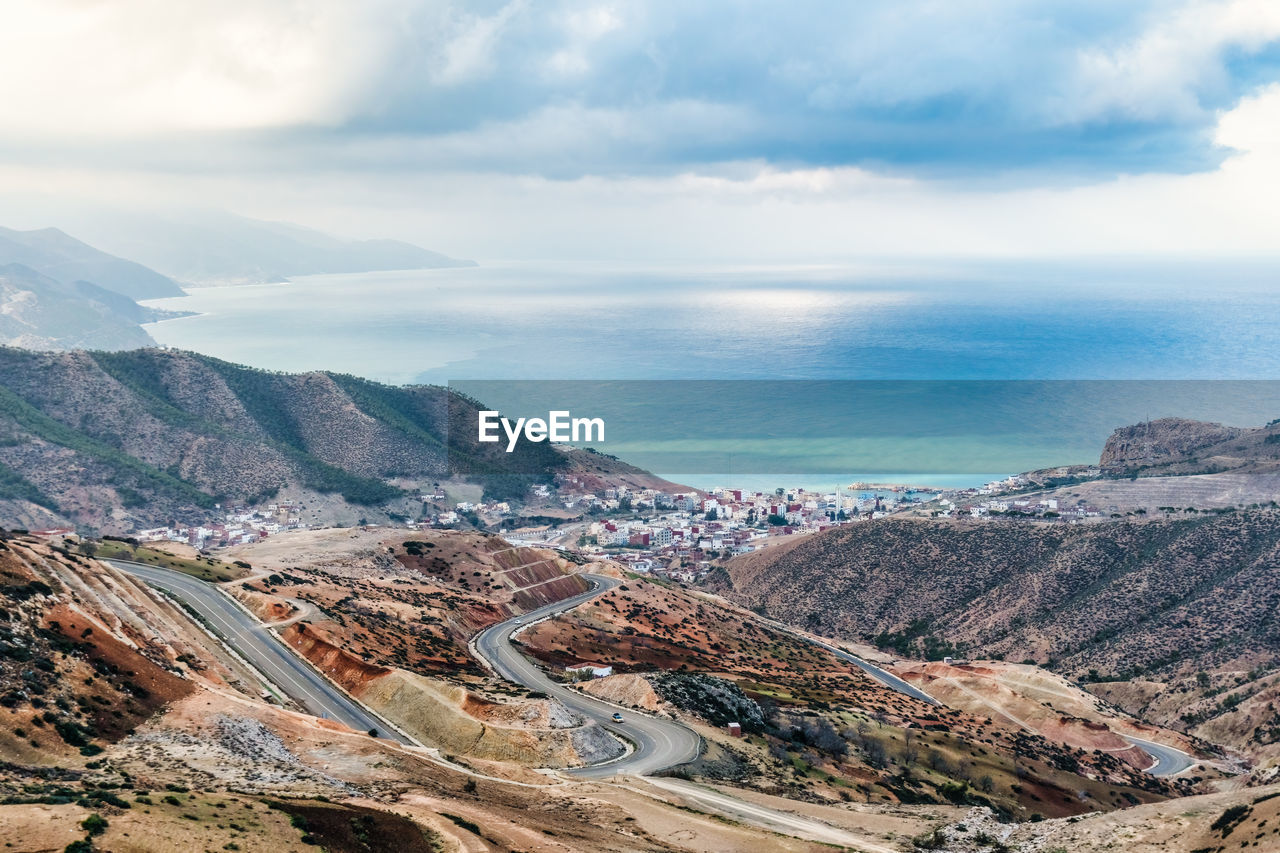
point(263, 649)
point(787, 823)
point(658, 744)
point(886, 678)
point(1168, 761)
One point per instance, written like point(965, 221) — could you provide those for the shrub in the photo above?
point(94, 824)
point(717, 701)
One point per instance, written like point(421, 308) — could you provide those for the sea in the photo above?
point(941, 373)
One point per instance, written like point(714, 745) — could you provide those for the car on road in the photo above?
point(617, 718)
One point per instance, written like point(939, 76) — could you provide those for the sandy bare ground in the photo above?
point(1038, 701)
point(1175, 826)
point(1202, 491)
point(299, 547)
point(772, 813)
point(702, 829)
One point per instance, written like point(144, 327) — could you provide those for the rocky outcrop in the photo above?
point(1162, 441)
point(715, 700)
point(628, 689)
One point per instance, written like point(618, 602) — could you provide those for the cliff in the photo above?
point(1181, 446)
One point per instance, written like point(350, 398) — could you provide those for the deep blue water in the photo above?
point(954, 322)
point(509, 322)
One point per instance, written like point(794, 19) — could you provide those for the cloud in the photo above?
point(85, 70)
point(1172, 71)
point(1055, 90)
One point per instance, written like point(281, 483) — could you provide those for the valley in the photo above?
point(435, 685)
point(858, 430)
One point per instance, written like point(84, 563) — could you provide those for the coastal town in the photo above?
point(678, 535)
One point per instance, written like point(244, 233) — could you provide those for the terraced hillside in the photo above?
point(128, 728)
point(409, 599)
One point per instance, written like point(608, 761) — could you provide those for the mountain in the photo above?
point(221, 248)
point(1181, 446)
point(38, 312)
point(120, 704)
point(60, 256)
point(57, 292)
point(1121, 598)
point(123, 440)
point(1166, 610)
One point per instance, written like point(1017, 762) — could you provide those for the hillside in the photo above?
point(58, 293)
point(58, 255)
point(1184, 604)
point(207, 248)
point(818, 728)
point(1181, 446)
point(118, 441)
point(128, 728)
point(588, 470)
point(38, 312)
point(1170, 462)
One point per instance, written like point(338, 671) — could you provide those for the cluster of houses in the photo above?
point(993, 499)
point(696, 528)
point(674, 534)
point(489, 511)
point(239, 526)
point(1044, 509)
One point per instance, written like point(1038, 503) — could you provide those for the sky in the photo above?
point(717, 131)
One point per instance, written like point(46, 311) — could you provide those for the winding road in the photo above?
point(1168, 761)
point(656, 743)
point(886, 678)
point(263, 649)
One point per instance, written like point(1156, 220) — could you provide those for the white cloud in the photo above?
point(1166, 71)
point(79, 83)
point(93, 68)
point(467, 43)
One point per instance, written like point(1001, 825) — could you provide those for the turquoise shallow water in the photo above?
point(958, 323)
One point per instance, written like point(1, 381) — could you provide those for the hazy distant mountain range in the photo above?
point(60, 256)
point(221, 248)
point(58, 292)
point(38, 312)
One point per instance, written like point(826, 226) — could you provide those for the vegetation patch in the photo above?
point(204, 568)
point(356, 829)
point(716, 700)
